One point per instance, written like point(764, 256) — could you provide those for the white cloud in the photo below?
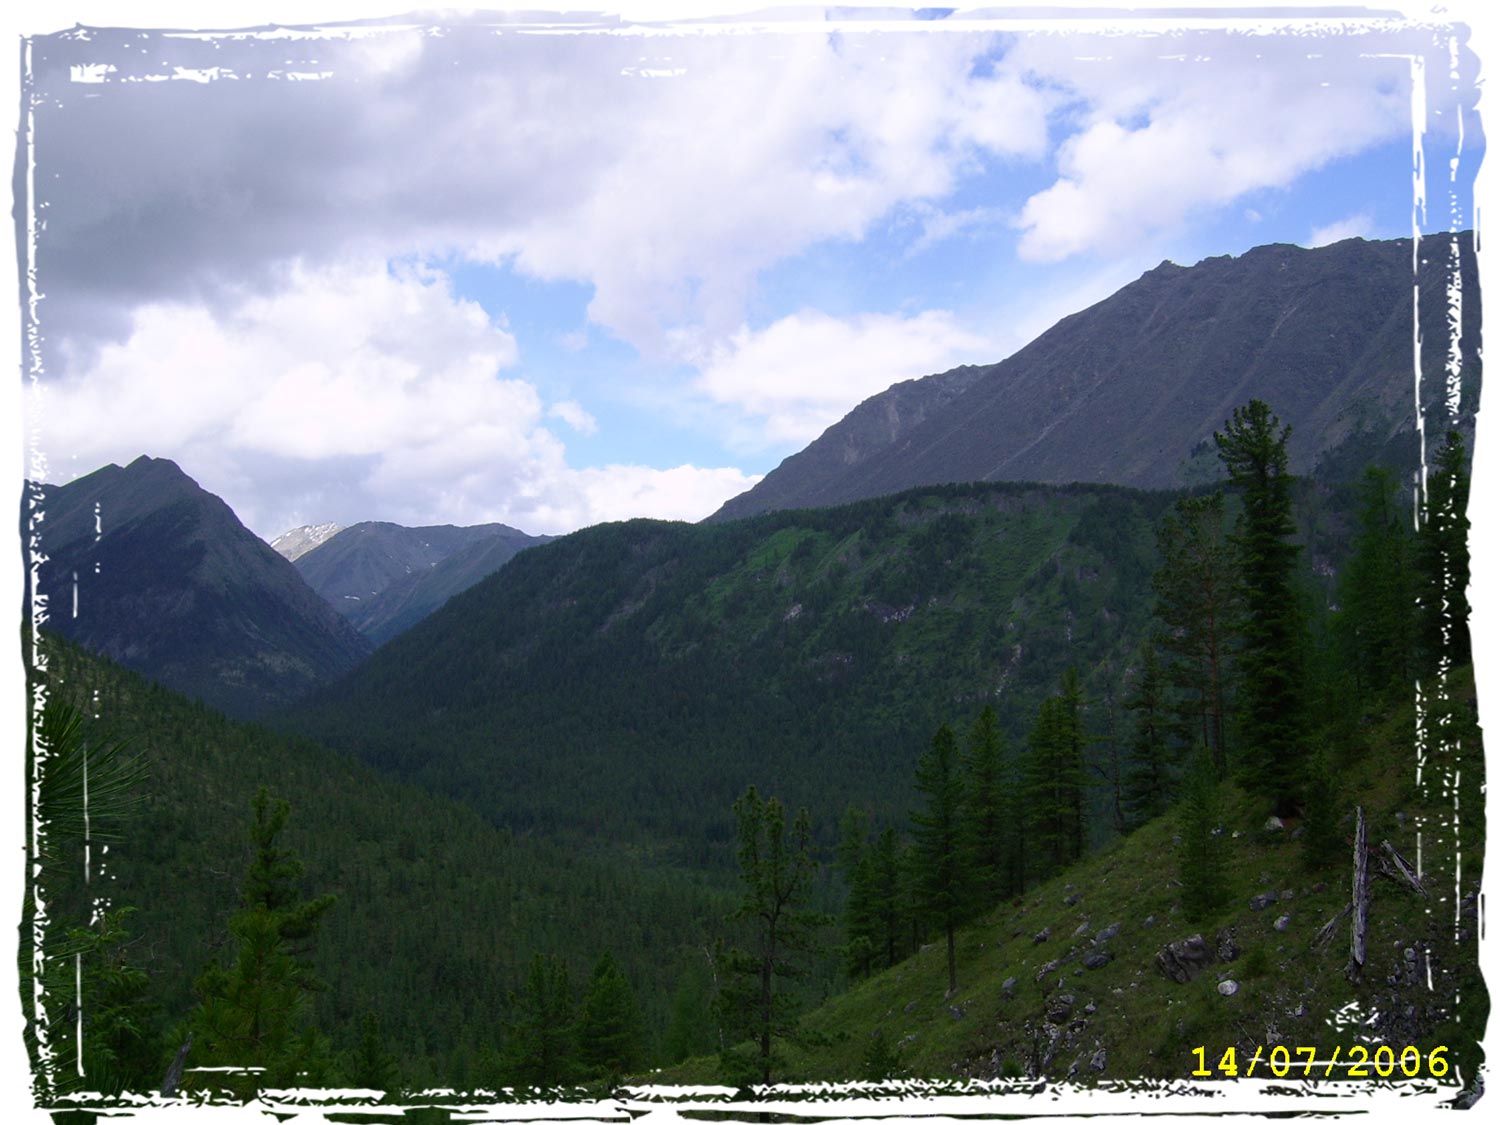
point(1351, 226)
point(1166, 135)
point(801, 374)
point(667, 195)
point(357, 393)
point(575, 416)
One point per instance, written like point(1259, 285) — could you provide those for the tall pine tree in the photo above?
point(1195, 605)
point(942, 845)
point(255, 1012)
point(1253, 449)
point(1056, 778)
point(777, 869)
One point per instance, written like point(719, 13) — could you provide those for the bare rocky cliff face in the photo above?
point(292, 545)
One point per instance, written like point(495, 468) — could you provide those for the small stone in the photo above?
point(1228, 987)
point(1081, 930)
point(956, 1012)
point(1097, 959)
point(1410, 954)
point(1282, 923)
point(1105, 934)
point(911, 1007)
point(1099, 1060)
point(1090, 1008)
point(1263, 900)
point(1274, 824)
point(1009, 987)
point(1073, 900)
point(1042, 935)
point(1300, 1011)
point(1149, 922)
point(1288, 894)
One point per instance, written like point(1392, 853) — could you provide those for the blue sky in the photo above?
point(444, 271)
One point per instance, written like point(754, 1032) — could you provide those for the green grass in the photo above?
point(1147, 1025)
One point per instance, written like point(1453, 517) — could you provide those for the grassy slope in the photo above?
point(1146, 1025)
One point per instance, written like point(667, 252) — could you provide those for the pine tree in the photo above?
point(1195, 604)
point(943, 849)
point(1253, 449)
point(1148, 779)
point(370, 1066)
point(1377, 595)
point(540, 1037)
point(777, 869)
point(1055, 778)
point(857, 862)
point(610, 1038)
point(93, 1027)
point(254, 1012)
point(989, 826)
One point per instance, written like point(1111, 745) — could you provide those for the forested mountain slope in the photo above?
point(1131, 390)
point(438, 913)
point(143, 566)
point(629, 680)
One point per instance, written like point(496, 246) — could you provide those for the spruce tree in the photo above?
point(1195, 605)
point(1056, 779)
point(540, 1045)
point(1148, 775)
point(1253, 450)
point(370, 1066)
point(255, 1011)
point(943, 850)
point(857, 862)
point(1376, 623)
point(610, 1037)
point(989, 826)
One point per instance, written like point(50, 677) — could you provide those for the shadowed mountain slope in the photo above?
point(144, 567)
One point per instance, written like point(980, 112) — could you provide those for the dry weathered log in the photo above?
point(1325, 935)
point(1360, 897)
point(174, 1072)
point(1401, 868)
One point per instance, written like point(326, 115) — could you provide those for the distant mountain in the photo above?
point(1131, 390)
point(383, 578)
point(148, 569)
point(627, 681)
point(292, 545)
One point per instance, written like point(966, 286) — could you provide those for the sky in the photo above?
point(460, 269)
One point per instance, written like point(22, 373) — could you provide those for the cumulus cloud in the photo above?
point(357, 389)
point(1165, 134)
point(804, 372)
point(575, 416)
point(667, 194)
point(1351, 226)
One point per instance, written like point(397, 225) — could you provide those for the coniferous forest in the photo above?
point(825, 759)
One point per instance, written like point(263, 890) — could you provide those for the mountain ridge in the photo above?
point(142, 565)
point(1130, 390)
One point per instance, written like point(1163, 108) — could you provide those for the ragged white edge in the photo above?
point(245, 15)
